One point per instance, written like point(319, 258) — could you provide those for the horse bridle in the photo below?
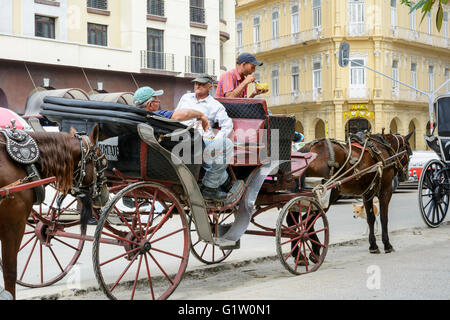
point(88, 154)
point(402, 168)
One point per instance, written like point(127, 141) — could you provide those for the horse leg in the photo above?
point(368, 205)
point(11, 240)
point(384, 206)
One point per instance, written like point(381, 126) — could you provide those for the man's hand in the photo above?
point(205, 122)
point(249, 79)
point(258, 91)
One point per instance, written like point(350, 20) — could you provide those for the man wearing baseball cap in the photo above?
point(217, 183)
point(147, 98)
point(233, 84)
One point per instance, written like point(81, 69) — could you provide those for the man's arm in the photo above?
point(188, 114)
point(236, 92)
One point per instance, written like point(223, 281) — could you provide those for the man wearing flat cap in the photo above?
point(233, 84)
point(218, 147)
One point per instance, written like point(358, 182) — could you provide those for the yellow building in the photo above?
point(298, 41)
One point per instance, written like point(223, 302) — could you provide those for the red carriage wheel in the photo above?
point(146, 255)
point(45, 256)
point(206, 252)
point(302, 235)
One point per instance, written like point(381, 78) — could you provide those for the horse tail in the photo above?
point(86, 209)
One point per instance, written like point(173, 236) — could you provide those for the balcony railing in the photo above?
point(421, 37)
point(408, 95)
point(157, 60)
point(295, 97)
point(359, 93)
point(155, 7)
point(284, 41)
point(357, 29)
point(197, 14)
point(200, 65)
point(98, 4)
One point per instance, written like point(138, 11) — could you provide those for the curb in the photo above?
point(207, 270)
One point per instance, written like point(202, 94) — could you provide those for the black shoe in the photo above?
point(227, 185)
point(213, 194)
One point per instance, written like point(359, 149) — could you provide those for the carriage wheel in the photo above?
point(302, 239)
point(44, 256)
point(433, 193)
point(148, 253)
point(206, 252)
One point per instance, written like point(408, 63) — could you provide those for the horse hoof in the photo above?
point(389, 250)
point(374, 251)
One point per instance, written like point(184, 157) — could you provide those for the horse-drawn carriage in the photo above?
point(434, 183)
point(156, 214)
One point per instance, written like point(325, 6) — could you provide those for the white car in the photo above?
point(416, 163)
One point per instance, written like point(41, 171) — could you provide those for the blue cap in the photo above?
point(143, 94)
point(248, 57)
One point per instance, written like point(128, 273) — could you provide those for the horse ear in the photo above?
point(95, 134)
point(73, 131)
point(382, 130)
point(409, 135)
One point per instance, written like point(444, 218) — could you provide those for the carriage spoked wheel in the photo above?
point(302, 238)
point(434, 193)
point(207, 252)
point(146, 255)
point(45, 256)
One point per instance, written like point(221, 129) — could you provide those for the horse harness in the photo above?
point(22, 148)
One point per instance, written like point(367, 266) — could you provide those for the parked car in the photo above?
point(416, 163)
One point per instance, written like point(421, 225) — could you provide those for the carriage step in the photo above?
point(226, 244)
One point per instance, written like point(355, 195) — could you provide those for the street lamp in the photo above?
point(344, 54)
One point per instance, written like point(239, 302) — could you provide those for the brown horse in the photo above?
point(77, 164)
point(368, 185)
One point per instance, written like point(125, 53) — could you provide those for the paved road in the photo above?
point(341, 261)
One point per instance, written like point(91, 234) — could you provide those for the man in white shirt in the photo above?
point(218, 147)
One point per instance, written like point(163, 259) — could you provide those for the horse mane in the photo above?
point(56, 158)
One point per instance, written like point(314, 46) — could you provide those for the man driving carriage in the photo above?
point(201, 106)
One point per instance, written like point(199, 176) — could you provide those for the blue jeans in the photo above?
point(216, 157)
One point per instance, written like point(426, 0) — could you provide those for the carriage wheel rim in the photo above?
point(143, 258)
point(432, 197)
point(302, 239)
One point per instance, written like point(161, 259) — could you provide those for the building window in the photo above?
point(155, 48)
point(97, 34)
point(239, 34)
point(295, 77)
point(256, 30)
point(45, 27)
point(414, 75)
point(317, 75)
point(412, 20)
point(394, 13)
point(197, 8)
point(98, 4)
point(155, 7)
point(431, 78)
point(198, 64)
point(275, 25)
point(295, 19)
point(221, 10)
point(395, 75)
point(317, 14)
point(356, 17)
point(357, 76)
point(445, 24)
point(429, 23)
point(275, 83)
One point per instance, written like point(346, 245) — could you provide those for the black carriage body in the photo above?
point(441, 143)
point(119, 138)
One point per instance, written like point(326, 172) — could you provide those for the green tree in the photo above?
point(426, 6)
